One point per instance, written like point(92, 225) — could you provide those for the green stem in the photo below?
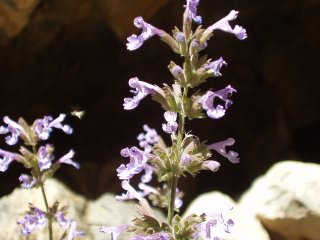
point(49, 217)
point(173, 189)
point(44, 196)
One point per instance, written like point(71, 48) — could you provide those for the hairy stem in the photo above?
point(173, 189)
point(44, 196)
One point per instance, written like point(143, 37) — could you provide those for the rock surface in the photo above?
point(246, 226)
point(14, 206)
point(286, 200)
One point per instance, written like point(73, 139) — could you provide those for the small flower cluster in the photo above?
point(186, 154)
point(40, 160)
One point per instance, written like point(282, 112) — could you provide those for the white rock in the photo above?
point(287, 200)
point(107, 211)
point(246, 226)
point(14, 206)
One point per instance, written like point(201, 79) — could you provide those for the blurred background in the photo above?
point(59, 56)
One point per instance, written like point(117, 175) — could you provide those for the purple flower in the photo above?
point(114, 231)
point(191, 11)
point(148, 171)
point(185, 160)
point(67, 159)
point(138, 159)
point(63, 222)
point(147, 189)
point(73, 232)
point(211, 165)
point(32, 221)
point(148, 139)
point(224, 25)
point(220, 147)
point(14, 128)
point(215, 66)
point(27, 181)
point(43, 127)
point(155, 236)
point(45, 157)
point(214, 228)
point(130, 194)
point(218, 111)
point(6, 158)
point(171, 126)
point(134, 41)
point(142, 89)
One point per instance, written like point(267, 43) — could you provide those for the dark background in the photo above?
point(57, 56)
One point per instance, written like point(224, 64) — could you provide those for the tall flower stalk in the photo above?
point(39, 159)
point(186, 154)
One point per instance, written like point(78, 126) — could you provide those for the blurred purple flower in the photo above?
point(142, 89)
point(191, 11)
point(138, 159)
point(211, 165)
point(214, 228)
point(220, 147)
point(14, 128)
point(218, 111)
point(32, 221)
point(148, 139)
point(215, 66)
point(171, 126)
point(45, 157)
point(63, 222)
point(67, 159)
point(6, 158)
point(73, 232)
point(114, 231)
point(155, 236)
point(43, 127)
point(27, 181)
point(134, 41)
point(130, 194)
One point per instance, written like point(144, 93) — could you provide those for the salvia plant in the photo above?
point(186, 154)
point(38, 157)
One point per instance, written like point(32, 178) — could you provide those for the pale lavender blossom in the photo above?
point(220, 147)
point(215, 66)
point(134, 41)
point(45, 157)
point(43, 127)
point(6, 158)
point(142, 89)
point(130, 194)
point(67, 159)
point(191, 11)
point(27, 181)
point(147, 189)
point(33, 221)
point(14, 128)
point(148, 171)
point(148, 139)
point(171, 126)
point(180, 38)
point(155, 236)
point(218, 111)
point(63, 222)
point(185, 160)
point(138, 159)
point(224, 25)
point(214, 228)
point(114, 231)
point(210, 165)
point(73, 232)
